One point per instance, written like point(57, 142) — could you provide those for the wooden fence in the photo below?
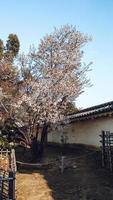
point(107, 149)
point(7, 174)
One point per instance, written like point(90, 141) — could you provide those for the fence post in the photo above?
point(103, 149)
point(11, 185)
point(62, 164)
point(110, 153)
point(1, 186)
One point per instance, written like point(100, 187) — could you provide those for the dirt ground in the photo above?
point(83, 178)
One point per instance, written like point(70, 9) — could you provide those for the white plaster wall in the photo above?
point(83, 132)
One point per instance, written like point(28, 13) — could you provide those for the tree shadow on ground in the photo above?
point(86, 182)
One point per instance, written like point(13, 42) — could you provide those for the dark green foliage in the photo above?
point(3, 142)
point(1, 49)
point(12, 45)
point(71, 108)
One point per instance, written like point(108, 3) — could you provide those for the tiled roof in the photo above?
point(92, 112)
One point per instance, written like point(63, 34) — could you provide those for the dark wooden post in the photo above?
point(12, 173)
point(107, 148)
point(110, 153)
point(11, 185)
point(1, 186)
point(103, 149)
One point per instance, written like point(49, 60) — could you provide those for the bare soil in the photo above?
point(83, 178)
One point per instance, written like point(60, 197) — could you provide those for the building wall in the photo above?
point(83, 132)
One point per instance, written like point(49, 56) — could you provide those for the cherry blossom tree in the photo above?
point(8, 89)
point(44, 82)
point(50, 78)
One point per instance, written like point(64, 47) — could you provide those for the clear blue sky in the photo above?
point(32, 19)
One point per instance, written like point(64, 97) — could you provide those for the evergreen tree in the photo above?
point(1, 49)
point(12, 45)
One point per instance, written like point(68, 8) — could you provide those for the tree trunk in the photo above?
point(37, 131)
point(44, 134)
point(34, 149)
point(37, 148)
point(43, 140)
